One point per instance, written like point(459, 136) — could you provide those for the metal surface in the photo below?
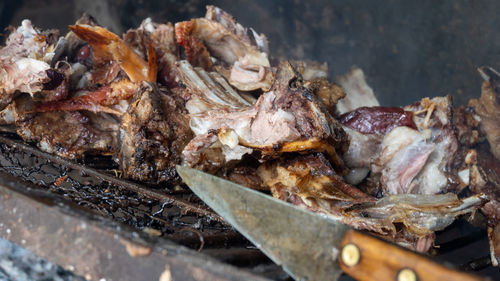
point(94, 247)
point(304, 243)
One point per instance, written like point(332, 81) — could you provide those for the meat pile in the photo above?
point(204, 93)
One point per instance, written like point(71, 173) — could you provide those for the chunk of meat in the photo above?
point(377, 119)
point(436, 115)
point(404, 153)
point(153, 133)
point(108, 47)
point(363, 148)
point(162, 38)
point(67, 134)
point(24, 62)
point(312, 178)
point(358, 93)
point(409, 219)
point(487, 108)
point(220, 36)
point(287, 119)
point(112, 99)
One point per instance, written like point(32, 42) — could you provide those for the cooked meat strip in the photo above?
point(366, 127)
point(377, 119)
point(162, 38)
point(113, 99)
point(153, 133)
point(108, 48)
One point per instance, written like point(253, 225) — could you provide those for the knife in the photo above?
point(307, 245)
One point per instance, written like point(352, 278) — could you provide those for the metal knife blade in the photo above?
point(305, 244)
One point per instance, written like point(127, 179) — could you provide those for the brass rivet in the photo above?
point(350, 255)
point(407, 274)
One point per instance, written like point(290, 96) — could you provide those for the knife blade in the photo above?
point(307, 245)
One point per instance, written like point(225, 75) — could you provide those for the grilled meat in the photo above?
point(289, 118)
point(409, 219)
point(162, 38)
point(153, 132)
point(25, 62)
point(488, 108)
point(218, 35)
point(68, 134)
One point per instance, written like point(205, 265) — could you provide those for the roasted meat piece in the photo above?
point(25, 62)
point(153, 133)
point(310, 181)
point(409, 219)
point(289, 118)
point(68, 134)
point(220, 36)
point(487, 108)
point(109, 48)
point(162, 38)
point(416, 151)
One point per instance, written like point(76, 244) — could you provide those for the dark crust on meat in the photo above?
point(68, 134)
point(153, 133)
point(292, 96)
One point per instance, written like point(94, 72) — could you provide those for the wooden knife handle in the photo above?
point(365, 257)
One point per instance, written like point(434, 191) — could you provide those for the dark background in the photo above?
point(408, 49)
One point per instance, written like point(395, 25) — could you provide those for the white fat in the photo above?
point(399, 138)
point(464, 176)
point(45, 146)
point(31, 65)
point(229, 138)
point(260, 59)
point(356, 175)
point(200, 126)
point(27, 29)
point(235, 153)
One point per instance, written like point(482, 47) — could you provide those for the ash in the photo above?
point(18, 264)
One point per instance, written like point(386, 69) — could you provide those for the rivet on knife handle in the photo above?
point(366, 257)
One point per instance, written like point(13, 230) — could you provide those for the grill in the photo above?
point(82, 216)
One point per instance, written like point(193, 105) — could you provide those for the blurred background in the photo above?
point(407, 49)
